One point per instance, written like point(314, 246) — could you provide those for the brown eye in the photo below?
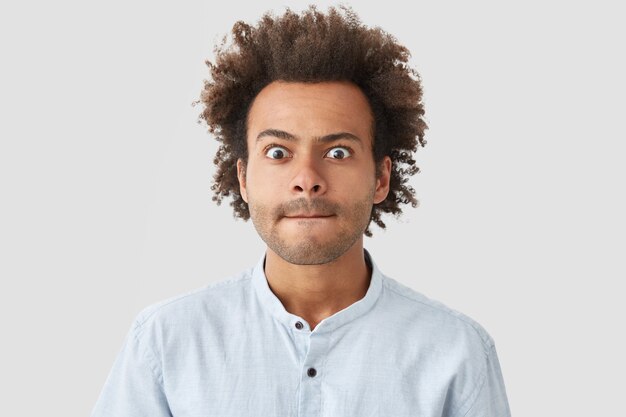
point(276, 152)
point(339, 152)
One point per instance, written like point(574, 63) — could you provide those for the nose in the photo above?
point(308, 180)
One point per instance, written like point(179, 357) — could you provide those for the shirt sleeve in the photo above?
point(489, 398)
point(134, 386)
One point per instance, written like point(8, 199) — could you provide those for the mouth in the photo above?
point(309, 216)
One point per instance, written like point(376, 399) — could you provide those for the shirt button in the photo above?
point(311, 372)
point(299, 325)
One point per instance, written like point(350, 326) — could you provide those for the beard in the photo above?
point(310, 247)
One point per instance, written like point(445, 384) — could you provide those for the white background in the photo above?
point(106, 206)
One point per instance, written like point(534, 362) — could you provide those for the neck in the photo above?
point(315, 292)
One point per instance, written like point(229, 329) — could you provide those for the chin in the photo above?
point(310, 249)
point(307, 258)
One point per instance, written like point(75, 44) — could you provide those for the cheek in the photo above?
point(256, 187)
point(267, 180)
point(262, 193)
point(352, 181)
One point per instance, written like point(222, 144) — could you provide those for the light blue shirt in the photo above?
point(232, 350)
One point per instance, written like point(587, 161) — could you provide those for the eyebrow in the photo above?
point(281, 134)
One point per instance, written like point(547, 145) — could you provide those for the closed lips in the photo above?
point(307, 216)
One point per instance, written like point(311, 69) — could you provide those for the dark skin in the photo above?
point(314, 261)
point(369, 57)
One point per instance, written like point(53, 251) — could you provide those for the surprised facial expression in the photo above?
point(310, 180)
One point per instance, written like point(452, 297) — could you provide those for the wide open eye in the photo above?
point(276, 152)
point(339, 152)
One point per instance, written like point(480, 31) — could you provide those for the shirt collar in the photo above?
point(269, 300)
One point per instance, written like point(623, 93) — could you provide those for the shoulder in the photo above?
point(443, 325)
point(459, 350)
point(188, 307)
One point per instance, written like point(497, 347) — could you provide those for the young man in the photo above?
point(318, 118)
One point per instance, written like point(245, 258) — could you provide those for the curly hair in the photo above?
point(313, 47)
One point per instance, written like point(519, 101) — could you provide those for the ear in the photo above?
point(241, 176)
point(382, 182)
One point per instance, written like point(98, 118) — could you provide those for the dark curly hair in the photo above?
point(313, 47)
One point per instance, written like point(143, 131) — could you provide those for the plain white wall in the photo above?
point(106, 206)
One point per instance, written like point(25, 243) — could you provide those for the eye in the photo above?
point(276, 152)
point(339, 152)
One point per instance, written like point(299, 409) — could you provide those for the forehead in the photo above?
point(311, 109)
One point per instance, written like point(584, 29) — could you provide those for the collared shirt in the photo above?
point(232, 350)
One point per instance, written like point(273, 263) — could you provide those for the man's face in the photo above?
point(310, 180)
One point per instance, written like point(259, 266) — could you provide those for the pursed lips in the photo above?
point(308, 216)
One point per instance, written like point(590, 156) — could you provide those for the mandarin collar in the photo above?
point(270, 301)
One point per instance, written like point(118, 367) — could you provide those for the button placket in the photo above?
point(312, 372)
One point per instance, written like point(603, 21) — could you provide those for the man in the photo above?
point(318, 117)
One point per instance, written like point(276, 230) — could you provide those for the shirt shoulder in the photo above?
point(460, 352)
point(449, 323)
point(187, 307)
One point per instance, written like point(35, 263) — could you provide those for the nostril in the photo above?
point(315, 188)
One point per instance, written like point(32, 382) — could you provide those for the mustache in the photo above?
point(304, 205)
